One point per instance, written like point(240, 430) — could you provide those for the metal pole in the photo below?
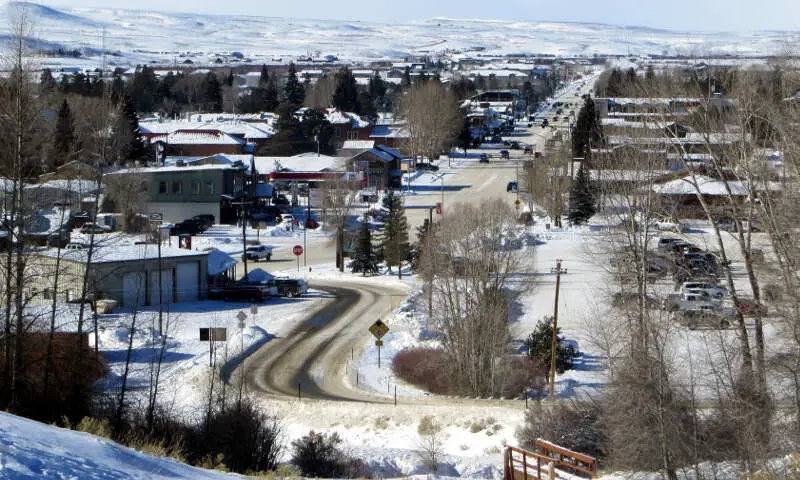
point(244, 243)
point(379, 356)
point(442, 180)
point(554, 340)
point(305, 227)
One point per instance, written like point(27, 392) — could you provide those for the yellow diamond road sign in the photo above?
point(378, 329)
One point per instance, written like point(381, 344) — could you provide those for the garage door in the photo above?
point(133, 289)
point(166, 287)
point(187, 281)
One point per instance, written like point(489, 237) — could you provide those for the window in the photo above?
point(210, 188)
point(352, 135)
point(195, 187)
point(162, 187)
point(337, 132)
point(177, 188)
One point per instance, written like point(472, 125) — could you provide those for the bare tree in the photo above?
point(430, 111)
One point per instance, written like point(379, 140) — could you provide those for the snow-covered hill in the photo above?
point(31, 449)
point(140, 35)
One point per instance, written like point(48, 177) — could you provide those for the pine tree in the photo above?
point(540, 344)
point(406, 77)
point(212, 92)
point(396, 247)
point(64, 137)
point(131, 143)
point(465, 139)
point(263, 79)
point(293, 91)
point(581, 198)
point(365, 261)
point(588, 132)
point(47, 84)
point(345, 95)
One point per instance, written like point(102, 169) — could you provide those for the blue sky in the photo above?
point(706, 15)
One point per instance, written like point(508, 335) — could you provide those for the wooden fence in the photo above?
point(547, 461)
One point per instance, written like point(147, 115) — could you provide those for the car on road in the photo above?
point(504, 154)
point(528, 150)
point(545, 123)
point(76, 246)
point(484, 158)
point(95, 228)
point(427, 167)
point(206, 220)
point(248, 292)
point(258, 252)
point(289, 287)
point(512, 187)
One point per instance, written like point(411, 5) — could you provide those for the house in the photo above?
point(198, 141)
point(345, 125)
point(130, 274)
point(381, 166)
point(181, 190)
point(679, 196)
point(390, 134)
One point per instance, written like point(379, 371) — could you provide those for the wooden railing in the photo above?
point(521, 464)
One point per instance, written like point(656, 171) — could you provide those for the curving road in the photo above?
point(313, 356)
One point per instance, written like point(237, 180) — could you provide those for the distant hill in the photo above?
point(142, 36)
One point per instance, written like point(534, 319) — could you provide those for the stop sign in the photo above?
point(298, 250)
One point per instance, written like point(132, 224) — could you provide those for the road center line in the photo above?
point(487, 182)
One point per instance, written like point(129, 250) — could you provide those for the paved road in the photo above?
point(312, 357)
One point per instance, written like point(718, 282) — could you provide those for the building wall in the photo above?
point(106, 279)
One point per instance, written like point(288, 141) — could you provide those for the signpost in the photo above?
point(298, 250)
point(378, 330)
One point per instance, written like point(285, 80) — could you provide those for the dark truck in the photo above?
point(289, 287)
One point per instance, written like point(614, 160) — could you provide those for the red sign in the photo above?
point(298, 250)
point(438, 208)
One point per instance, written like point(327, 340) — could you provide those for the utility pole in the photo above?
point(554, 340)
point(244, 235)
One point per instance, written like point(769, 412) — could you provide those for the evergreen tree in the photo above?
point(540, 344)
point(142, 89)
point(345, 95)
point(365, 261)
point(64, 137)
point(131, 143)
point(464, 139)
point(396, 248)
point(47, 84)
point(377, 91)
point(263, 79)
point(587, 133)
point(422, 235)
point(406, 77)
point(270, 102)
point(581, 198)
point(212, 92)
point(293, 91)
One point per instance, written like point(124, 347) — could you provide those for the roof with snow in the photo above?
point(338, 117)
point(219, 261)
point(309, 162)
point(358, 144)
point(389, 131)
point(693, 184)
point(122, 253)
point(197, 137)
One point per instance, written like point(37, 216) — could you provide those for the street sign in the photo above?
point(156, 217)
point(298, 250)
point(379, 329)
point(213, 334)
point(241, 316)
point(438, 208)
point(517, 202)
point(378, 343)
point(253, 309)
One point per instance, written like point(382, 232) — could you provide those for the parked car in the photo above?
point(75, 246)
point(484, 158)
point(289, 287)
point(427, 167)
point(713, 289)
point(515, 145)
point(258, 252)
point(95, 228)
point(249, 292)
point(688, 300)
point(545, 123)
point(312, 224)
point(186, 227)
point(703, 317)
point(205, 219)
point(748, 306)
point(665, 242)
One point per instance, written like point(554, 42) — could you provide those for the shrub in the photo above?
point(539, 345)
point(575, 426)
point(427, 368)
point(319, 455)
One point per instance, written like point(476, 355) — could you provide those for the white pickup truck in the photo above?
point(691, 299)
point(258, 252)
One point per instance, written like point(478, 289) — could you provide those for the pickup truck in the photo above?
point(249, 292)
point(690, 300)
point(289, 287)
point(258, 252)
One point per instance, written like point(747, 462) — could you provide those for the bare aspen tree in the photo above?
point(475, 254)
point(430, 112)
